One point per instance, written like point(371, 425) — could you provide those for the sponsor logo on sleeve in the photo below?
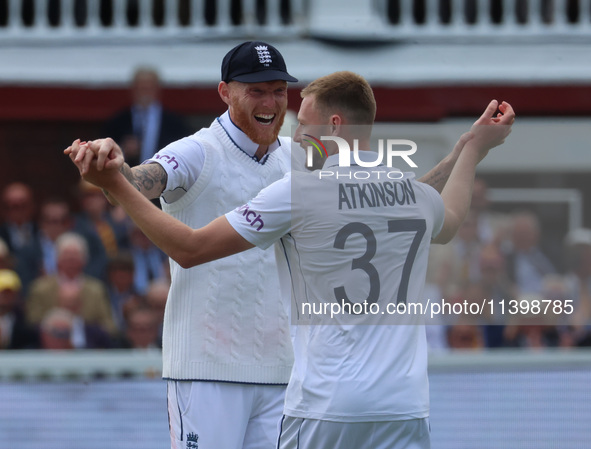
point(253, 218)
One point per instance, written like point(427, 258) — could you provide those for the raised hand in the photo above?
point(489, 130)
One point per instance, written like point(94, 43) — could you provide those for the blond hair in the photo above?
point(346, 93)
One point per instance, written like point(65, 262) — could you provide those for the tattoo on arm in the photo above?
point(126, 171)
point(437, 179)
point(149, 179)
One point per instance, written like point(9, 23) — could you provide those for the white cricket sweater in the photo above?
point(224, 320)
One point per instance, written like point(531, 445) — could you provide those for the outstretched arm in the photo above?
point(187, 246)
point(486, 133)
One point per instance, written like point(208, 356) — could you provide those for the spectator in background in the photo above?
point(72, 255)
point(496, 286)
point(15, 332)
point(467, 246)
point(122, 293)
point(455, 265)
point(55, 218)
point(39, 257)
point(56, 330)
point(141, 331)
point(148, 259)
point(83, 335)
point(556, 289)
point(104, 234)
point(526, 263)
point(18, 228)
point(436, 325)
point(145, 126)
point(491, 226)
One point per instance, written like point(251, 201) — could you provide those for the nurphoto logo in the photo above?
point(393, 149)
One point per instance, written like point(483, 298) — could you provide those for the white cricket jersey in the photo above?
point(224, 320)
point(366, 240)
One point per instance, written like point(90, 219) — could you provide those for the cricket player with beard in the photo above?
point(226, 350)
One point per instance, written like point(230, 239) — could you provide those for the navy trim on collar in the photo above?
point(254, 158)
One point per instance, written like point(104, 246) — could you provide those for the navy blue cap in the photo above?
point(254, 62)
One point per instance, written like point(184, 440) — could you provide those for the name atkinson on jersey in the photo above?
point(354, 196)
point(376, 194)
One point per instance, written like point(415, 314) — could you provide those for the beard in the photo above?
point(259, 135)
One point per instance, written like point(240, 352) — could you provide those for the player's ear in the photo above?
point(335, 124)
point(224, 92)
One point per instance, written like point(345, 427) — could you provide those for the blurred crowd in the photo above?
point(76, 273)
point(499, 259)
point(83, 275)
point(77, 276)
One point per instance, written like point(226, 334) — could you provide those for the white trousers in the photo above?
point(300, 433)
point(221, 415)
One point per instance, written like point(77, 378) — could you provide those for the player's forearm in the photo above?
point(457, 193)
point(128, 174)
point(148, 179)
point(169, 234)
point(438, 175)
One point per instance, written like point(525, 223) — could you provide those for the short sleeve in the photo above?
point(267, 217)
point(183, 162)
